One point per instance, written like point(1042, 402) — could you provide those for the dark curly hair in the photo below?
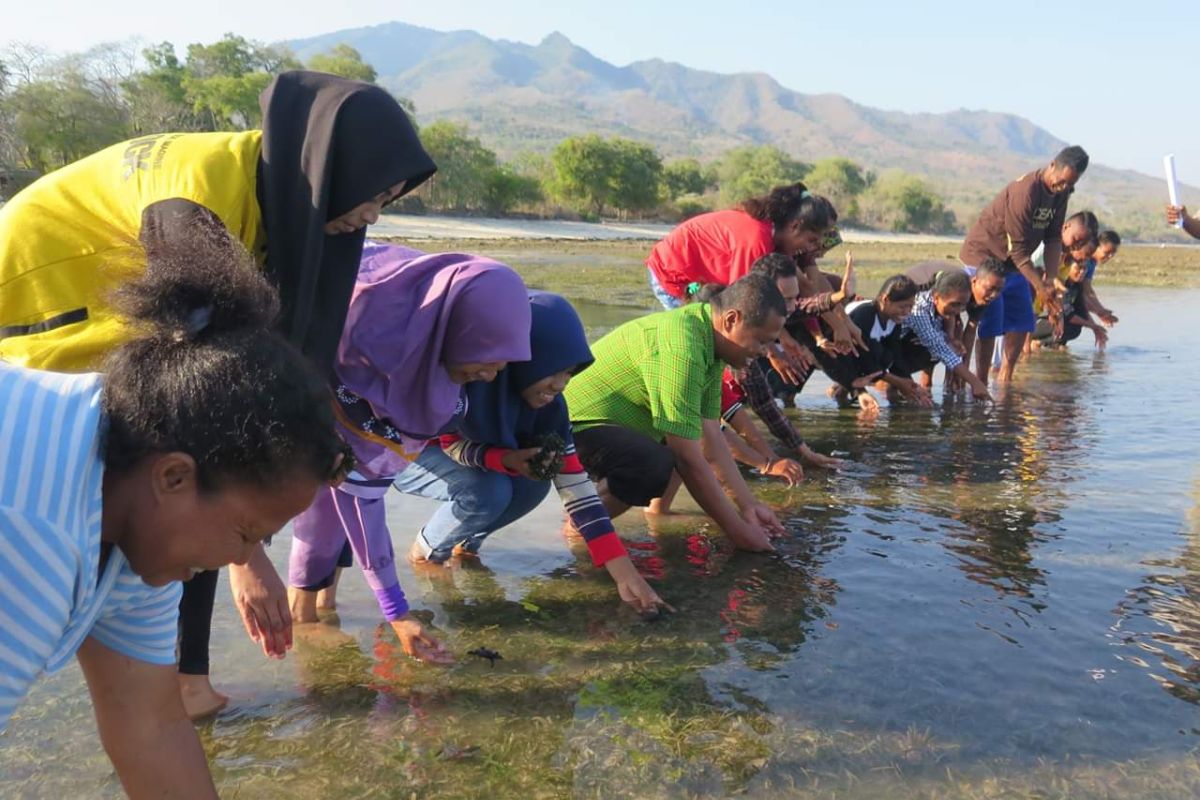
point(206, 374)
point(783, 204)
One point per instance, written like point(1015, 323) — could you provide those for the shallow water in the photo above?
point(984, 603)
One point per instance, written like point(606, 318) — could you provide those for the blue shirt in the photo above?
point(52, 594)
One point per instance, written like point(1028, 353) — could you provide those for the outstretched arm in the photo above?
point(143, 727)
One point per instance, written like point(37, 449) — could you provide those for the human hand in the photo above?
point(818, 459)
point(787, 367)
point(1048, 295)
point(751, 537)
point(262, 602)
point(632, 587)
point(1107, 317)
point(847, 288)
point(863, 381)
point(765, 518)
point(919, 395)
point(1101, 337)
point(785, 468)
point(1176, 213)
point(418, 643)
point(521, 461)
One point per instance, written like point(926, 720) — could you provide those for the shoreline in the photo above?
point(403, 226)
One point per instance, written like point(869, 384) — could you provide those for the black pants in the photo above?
point(913, 358)
point(636, 468)
point(195, 622)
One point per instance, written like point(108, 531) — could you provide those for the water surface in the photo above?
point(985, 603)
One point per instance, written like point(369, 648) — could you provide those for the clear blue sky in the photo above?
point(1113, 76)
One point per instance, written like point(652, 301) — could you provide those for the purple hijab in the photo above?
point(412, 313)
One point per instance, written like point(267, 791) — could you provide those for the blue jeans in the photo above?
point(669, 302)
point(477, 502)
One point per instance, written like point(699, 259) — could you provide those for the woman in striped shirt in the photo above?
point(206, 435)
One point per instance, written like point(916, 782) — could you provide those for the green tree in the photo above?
point(755, 170)
point(904, 203)
point(841, 181)
point(637, 176)
point(593, 174)
point(345, 61)
point(583, 172)
point(156, 96)
point(61, 119)
point(464, 168)
point(507, 189)
point(684, 176)
point(224, 79)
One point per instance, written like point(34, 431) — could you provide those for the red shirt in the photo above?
point(718, 247)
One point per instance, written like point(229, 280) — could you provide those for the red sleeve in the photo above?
point(731, 391)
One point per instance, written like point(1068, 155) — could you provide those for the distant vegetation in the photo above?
point(55, 110)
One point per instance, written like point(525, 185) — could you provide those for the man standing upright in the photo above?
point(1029, 212)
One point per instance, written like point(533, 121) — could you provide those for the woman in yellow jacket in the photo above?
point(298, 194)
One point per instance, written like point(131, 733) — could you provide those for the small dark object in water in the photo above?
point(483, 652)
point(548, 463)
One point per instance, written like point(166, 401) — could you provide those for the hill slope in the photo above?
point(524, 97)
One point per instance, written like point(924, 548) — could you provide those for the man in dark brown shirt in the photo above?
point(1029, 212)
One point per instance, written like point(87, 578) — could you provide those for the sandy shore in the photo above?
point(430, 227)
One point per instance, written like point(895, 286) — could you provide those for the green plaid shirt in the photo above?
point(656, 375)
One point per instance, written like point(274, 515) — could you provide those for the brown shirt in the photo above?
point(1024, 215)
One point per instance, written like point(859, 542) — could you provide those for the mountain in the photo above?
point(519, 97)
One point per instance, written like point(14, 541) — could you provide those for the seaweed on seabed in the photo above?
point(548, 463)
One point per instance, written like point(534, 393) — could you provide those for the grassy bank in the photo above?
point(612, 271)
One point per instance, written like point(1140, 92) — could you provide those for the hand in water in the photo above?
point(632, 587)
point(262, 602)
point(750, 536)
point(785, 468)
point(418, 643)
point(819, 460)
point(765, 518)
point(920, 396)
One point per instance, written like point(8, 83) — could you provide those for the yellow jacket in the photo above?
point(68, 239)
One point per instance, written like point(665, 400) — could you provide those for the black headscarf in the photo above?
point(329, 144)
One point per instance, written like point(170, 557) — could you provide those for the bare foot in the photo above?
point(659, 508)
point(303, 605)
point(200, 699)
point(327, 597)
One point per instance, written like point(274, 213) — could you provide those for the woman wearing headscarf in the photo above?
point(512, 442)
point(420, 327)
point(297, 194)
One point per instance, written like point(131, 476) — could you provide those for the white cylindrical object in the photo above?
point(1172, 184)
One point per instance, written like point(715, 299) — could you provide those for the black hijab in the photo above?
point(329, 144)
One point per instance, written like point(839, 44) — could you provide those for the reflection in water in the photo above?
point(949, 614)
point(1160, 620)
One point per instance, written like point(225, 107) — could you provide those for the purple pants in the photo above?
point(319, 534)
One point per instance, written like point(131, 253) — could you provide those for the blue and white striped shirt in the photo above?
point(52, 595)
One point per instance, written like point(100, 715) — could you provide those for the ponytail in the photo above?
point(206, 374)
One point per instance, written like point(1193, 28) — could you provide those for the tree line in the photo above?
point(55, 110)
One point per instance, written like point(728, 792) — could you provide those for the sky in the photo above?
point(1115, 77)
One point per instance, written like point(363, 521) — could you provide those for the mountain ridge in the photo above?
point(519, 97)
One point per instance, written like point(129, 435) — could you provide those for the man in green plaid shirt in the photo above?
point(650, 404)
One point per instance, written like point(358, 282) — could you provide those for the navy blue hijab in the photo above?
point(496, 413)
